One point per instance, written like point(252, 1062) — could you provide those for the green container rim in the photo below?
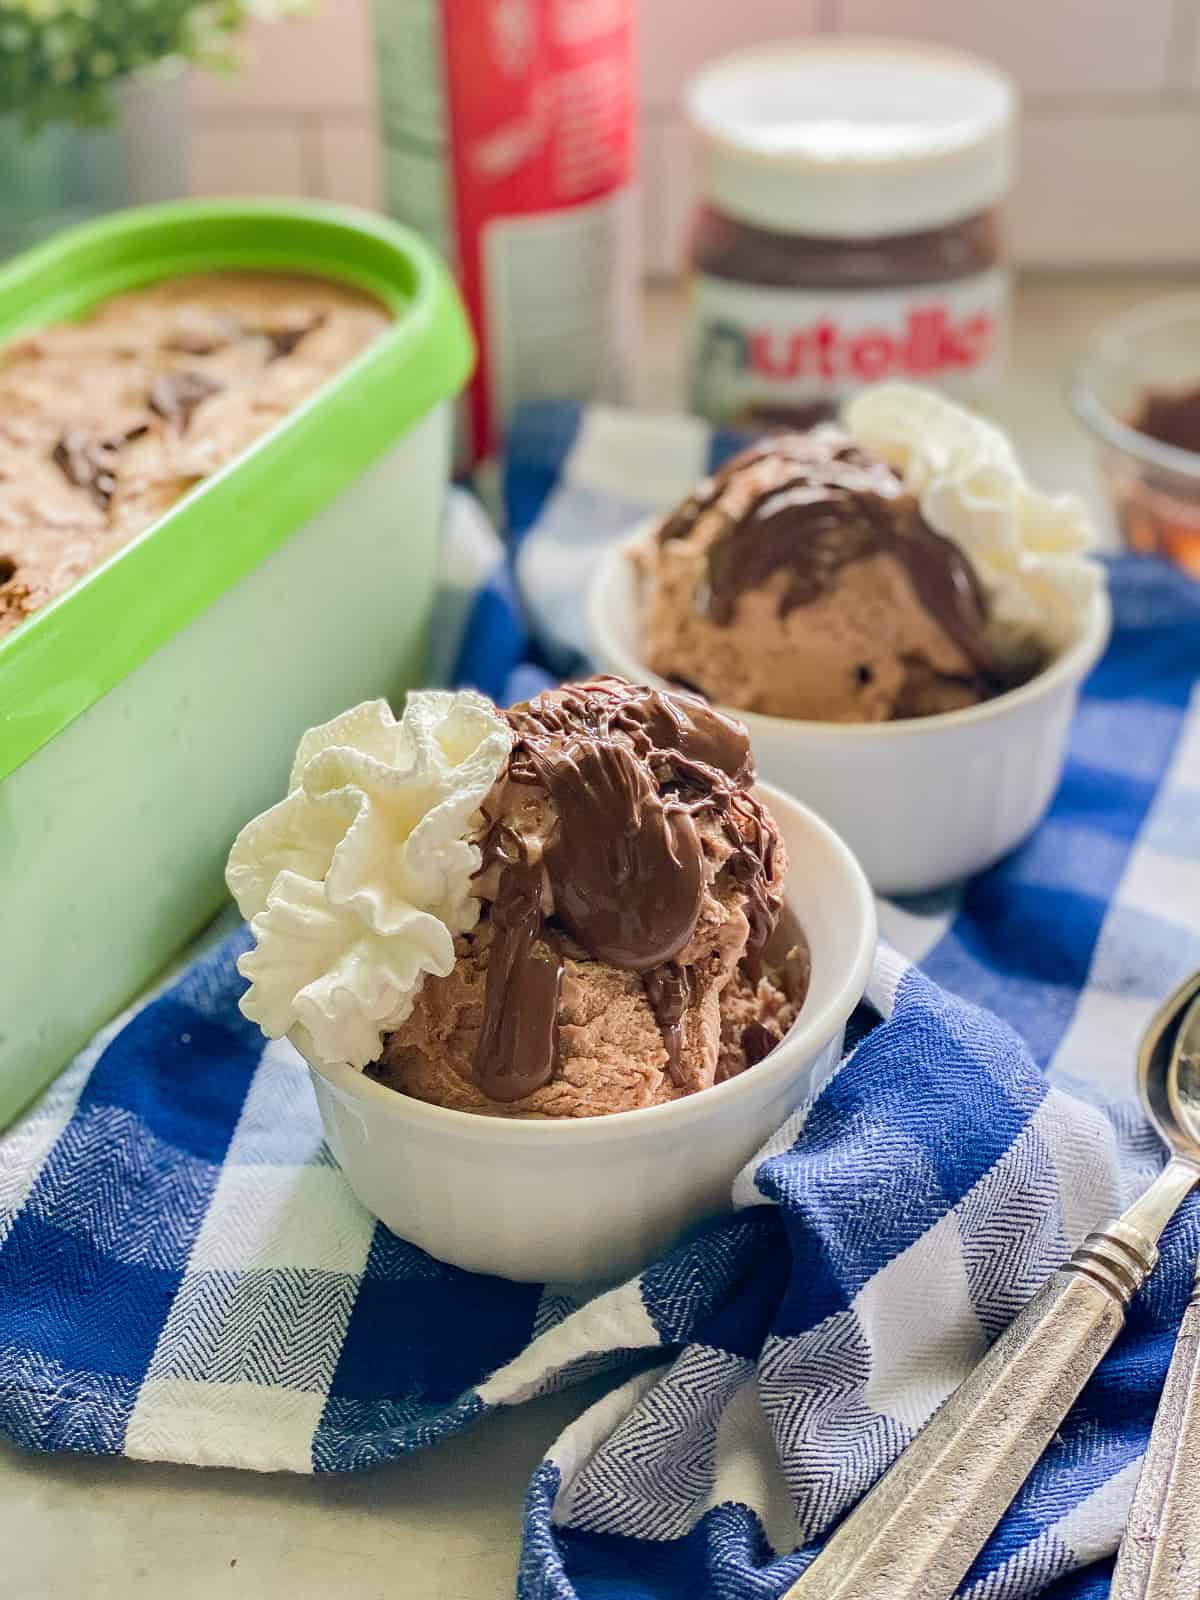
point(61, 660)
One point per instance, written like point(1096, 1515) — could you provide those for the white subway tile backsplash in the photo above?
point(678, 36)
point(650, 193)
point(250, 156)
point(1104, 182)
point(1117, 188)
point(312, 63)
point(1052, 47)
point(680, 184)
point(350, 162)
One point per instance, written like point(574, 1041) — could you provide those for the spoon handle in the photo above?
point(1160, 1553)
point(917, 1532)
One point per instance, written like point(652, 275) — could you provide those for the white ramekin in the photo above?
point(922, 802)
point(595, 1198)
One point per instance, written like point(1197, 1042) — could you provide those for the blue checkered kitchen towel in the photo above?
point(184, 1275)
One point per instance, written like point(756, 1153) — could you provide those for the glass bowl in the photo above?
point(1155, 487)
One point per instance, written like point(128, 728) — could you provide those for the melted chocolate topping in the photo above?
point(757, 1041)
point(626, 772)
point(670, 990)
point(626, 870)
point(520, 1014)
point(708, 491)
point(838, 505)
point(687, 724)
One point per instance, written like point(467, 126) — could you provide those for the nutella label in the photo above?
point(759, 353)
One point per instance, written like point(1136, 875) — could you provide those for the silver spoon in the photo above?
point(918, 1531)
point(1160, 1553)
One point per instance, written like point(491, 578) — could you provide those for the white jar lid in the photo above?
point(853, 139)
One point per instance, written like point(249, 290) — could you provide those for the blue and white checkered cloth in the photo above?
point(185, 1276)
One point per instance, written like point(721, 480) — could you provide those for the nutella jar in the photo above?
point(849, 231)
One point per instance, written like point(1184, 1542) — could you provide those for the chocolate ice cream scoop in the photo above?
point(801, 580)
point(629, 776)
point(562, 910)
point(628, 875)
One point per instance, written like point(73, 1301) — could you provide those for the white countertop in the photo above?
point(442, 1525)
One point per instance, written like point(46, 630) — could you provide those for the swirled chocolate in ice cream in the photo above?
point(631, 890)
point(105, 423)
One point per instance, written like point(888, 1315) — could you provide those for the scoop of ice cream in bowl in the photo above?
point(902, 621)
point(557, 971)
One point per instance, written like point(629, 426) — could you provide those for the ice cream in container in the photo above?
point(148, 709)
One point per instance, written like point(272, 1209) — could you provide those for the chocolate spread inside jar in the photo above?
point(1158, 506)
point(850, 229)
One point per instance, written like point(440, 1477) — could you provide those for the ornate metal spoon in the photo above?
point(917, 1532)
point(1160, 1554)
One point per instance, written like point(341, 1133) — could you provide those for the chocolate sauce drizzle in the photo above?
point(520, 1013)
point(627, 773)
point(838, 505)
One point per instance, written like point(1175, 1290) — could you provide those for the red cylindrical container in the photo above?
point(509, 135)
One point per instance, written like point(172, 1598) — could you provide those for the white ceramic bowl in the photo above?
point(922, 802)
point(595, 1198)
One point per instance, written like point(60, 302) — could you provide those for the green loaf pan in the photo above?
point(153, 708)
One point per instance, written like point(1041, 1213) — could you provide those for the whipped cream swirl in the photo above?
point(1028, 548)
point(356, 884)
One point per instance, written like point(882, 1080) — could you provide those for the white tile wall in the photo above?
point(1052, 47)
point(253, 155)
point(1110, 148)
point(350, 161)
point(1121, 187)
point(299, 118)
point(670, 200)
point(320, 63)
point(677, 36)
